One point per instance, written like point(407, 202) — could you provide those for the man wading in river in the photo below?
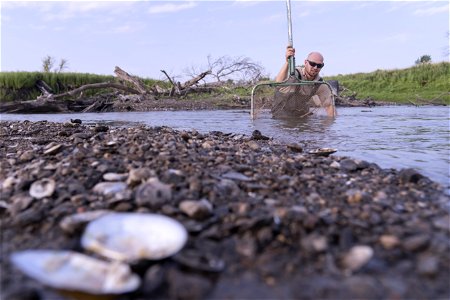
point(321, 94)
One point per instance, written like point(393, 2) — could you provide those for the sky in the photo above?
point(145, 37)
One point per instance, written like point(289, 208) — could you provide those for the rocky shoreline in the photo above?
point(265, 220)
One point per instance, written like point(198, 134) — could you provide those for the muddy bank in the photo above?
point(116, 102)
point(279, 222)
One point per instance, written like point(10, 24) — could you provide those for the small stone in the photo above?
point(137, 176)
point(198, 210)
point(153, 193)
point(295, 147)
point(20, 202)
point(389, 241)
point(354, 196)
point(427, 265)
point(442, 223)
point(335, 165)
point(27, 156)
point(416, 243)
point(357, 257)
point(348, 165)
point(253, 145)
point(315, 243)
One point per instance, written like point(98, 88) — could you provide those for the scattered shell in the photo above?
point(115, 176)
point(134, 236)
point(72, 271)
point(42, 188)
point(109, 188)
point(72, 223)
point(53, 150)
point(322, 151)
point(236, 176)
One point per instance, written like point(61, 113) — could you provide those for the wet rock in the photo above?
point(198, 210)
point(409, 175)
point(295, 147)
point(257, 135)
point(348, 165)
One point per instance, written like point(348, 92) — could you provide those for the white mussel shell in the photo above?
point(72, 271)
point(134, 236)
point(42, 188)
point(323, 151)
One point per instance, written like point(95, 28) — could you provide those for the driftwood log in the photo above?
point(127, 83)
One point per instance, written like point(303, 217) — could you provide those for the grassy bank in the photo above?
point(425, 83)
point(418, 84)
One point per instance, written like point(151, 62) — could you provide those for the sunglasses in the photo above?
point(313, 64)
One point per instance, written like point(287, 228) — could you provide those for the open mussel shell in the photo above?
point(72, 271)
point(134, 236)
point(322, 151)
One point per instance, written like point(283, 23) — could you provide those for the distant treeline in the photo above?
point(418, 84)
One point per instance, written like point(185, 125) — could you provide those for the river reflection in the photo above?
point(393, 137)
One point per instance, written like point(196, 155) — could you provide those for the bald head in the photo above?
point(316, 57)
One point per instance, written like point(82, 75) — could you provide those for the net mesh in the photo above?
point(292, 98)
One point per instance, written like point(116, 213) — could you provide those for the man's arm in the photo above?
point(283, 74)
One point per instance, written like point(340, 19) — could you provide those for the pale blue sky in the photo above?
point(144, 37)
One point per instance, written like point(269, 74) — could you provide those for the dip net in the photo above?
point(292, 98)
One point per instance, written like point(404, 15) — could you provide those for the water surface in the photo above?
point(393, 137)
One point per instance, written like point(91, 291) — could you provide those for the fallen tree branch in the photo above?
point(91, 86)
point(133, 79)
point(195, 80)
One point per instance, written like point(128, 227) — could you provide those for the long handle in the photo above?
point(291, 60)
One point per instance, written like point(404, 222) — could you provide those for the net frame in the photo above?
point(298, 101)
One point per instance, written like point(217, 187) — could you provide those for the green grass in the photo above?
point(419, 84)
point(425, 83)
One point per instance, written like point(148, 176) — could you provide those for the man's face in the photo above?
point(314, 64)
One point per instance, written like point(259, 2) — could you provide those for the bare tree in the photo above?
point(234, 68)
point(62, 65)
point(47, 63)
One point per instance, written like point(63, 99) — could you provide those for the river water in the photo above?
point(390, 136)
